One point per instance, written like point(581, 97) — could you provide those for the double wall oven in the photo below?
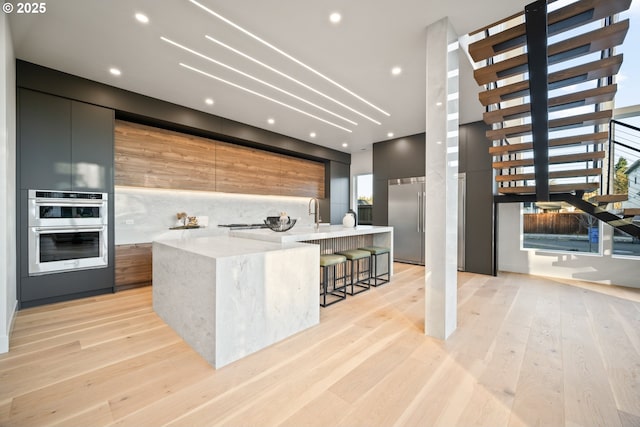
point(68, 230)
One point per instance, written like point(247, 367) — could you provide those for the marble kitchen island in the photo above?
point(229, 297)
point(330, 238)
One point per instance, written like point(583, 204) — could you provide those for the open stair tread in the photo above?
point(583, 44)
point(557, 188)
point(581, 73)
point(591, 138)
point(586, 97)
point(630, 212)
point(552, 175)
point(567, 158)
point(609, 198)
point(589, 119)
point(514, 37)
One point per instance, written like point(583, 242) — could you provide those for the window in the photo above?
point(557, 226)
point(364, 198)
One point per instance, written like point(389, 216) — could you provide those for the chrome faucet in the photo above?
point(316, 212)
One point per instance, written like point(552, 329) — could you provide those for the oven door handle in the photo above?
point(96, 203)
point(71, 229)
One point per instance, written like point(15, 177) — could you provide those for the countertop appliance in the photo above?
point(67, 231)
point(406, 216)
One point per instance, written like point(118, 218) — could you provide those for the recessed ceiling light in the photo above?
point(438, 104)
point(396, 71)
point(141, 17)
point(312, 134)
point(271, 121)
point(211, 76)
point(281, 52)
point(390, 135)
point(115, 71)
point(335, 18)
point(228, 67)
point(209, 101)
point(345, 145)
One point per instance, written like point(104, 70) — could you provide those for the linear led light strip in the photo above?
point(204, 73)
point(255, 79)
point(244, 55)
point(269, 45)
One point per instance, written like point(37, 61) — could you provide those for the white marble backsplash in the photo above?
point(144, 214)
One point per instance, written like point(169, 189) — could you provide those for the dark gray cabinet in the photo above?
point(64, 144)
point(45, 141)
point(91, 147)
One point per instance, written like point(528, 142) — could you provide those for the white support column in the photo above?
point(441, 201)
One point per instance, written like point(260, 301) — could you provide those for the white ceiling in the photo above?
point(87, 37)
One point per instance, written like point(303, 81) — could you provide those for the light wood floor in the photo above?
point(527, 351)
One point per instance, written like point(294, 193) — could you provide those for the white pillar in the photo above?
point(441, 198)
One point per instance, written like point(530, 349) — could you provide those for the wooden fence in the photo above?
point(556, 223)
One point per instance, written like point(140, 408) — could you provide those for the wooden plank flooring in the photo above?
point(527, 351)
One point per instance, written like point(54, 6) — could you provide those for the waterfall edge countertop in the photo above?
point(307, 233)
point(229, 297)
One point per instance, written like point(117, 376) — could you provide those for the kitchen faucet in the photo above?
point(316, 212)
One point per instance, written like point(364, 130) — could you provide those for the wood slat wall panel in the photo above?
point(157, 158)
point(133, 265)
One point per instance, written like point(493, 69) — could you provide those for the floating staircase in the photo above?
point(548, 87)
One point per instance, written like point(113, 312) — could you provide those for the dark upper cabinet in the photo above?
point(91, 147)
point(45, 141)
point(64, 144)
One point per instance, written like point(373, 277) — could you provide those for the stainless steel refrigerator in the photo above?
point(406, 215)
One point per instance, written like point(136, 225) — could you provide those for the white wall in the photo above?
point(8, 300)
point(605, 269)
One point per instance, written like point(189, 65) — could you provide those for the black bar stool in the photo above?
point(378, 278)
point(327, 261)
point(357, 257)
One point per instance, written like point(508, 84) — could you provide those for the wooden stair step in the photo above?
point(585, 72)
point(552, 175)
point(589, 119)
point(626, 213)
point(601, 39)
point(557, 188)
point(609, 198)
point(592, 138)
point(567, 158)
point(575, 99)
point(559, 20)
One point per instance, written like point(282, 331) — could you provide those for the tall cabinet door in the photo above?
point(45, 141)
point(91, 148)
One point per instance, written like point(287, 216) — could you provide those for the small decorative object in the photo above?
point(278, 223)
point(192, 221)
point(182, 218)
point(284, 218)
point(349, 220)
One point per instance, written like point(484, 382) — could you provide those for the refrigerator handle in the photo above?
point(419, 211)
point(423, 213)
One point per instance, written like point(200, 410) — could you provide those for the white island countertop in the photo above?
point(306, 233)
point(226, 246)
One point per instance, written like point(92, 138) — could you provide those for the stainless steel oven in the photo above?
point(67, 231)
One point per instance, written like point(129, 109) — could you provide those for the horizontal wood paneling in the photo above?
point(133, 266)
point(158, 158)
point(302, 177)
point(246, 170)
